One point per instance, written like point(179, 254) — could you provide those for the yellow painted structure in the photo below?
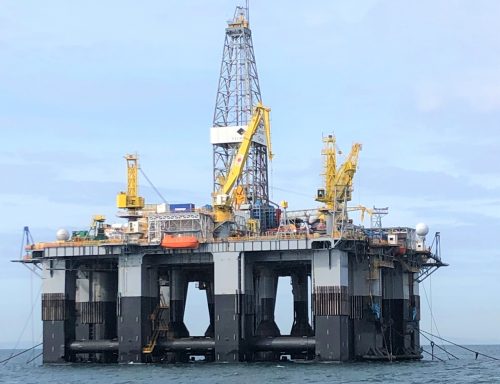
point(131, 198)
point(337, 190)
point(223, 199)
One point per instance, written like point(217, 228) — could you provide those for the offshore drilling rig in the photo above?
point(117, 293)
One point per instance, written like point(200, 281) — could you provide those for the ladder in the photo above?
point(159, 319)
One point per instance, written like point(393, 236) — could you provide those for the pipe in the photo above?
point(188, 344)
point(184, 344)
point(283, 344)
point(278, 344)
point(86, 346)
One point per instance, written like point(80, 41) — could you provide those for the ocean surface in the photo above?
point(464, 370)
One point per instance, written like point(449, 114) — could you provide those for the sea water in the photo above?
point(465, 369)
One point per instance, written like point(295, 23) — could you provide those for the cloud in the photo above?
point(342, 11)
point(425, 183)
point(477, 89)
point(429, 97)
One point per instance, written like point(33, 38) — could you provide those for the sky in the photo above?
point(417, 83)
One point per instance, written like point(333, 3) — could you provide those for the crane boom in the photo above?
point(131, 199)
point(327, 195)
point(222, 197)
point(261, 114)
point(345, 175)
point(338, 184)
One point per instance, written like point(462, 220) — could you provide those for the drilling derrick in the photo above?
point(237, 96)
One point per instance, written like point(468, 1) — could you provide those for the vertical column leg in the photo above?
point(396, 310)
point(331, 311)
point(227, 301)
point(58, 306)
point(137, 295)
point(266, 286)
point(366, 309)
point(104, 291)
point(248, 303)
point(82, 299)
point(211, 310)
point(301, 326)
point(95, 318)
point(414, 315)
point(178, 292)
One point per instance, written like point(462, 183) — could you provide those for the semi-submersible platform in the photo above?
point(117, 293)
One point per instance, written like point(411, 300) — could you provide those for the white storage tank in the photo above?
point(422, 229)
point(62, 235)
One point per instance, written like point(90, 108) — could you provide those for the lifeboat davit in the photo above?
point(180, 242)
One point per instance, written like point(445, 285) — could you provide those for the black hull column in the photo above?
point(401, 312)
point(331, 305)
point(58, 307)
point(137, 297)
point(227, 301)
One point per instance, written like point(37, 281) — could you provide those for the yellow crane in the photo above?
point(338, 182)
point(327, 195)
point(363, 210)
point(345, 175)
point(131, 199)
point(229, 192)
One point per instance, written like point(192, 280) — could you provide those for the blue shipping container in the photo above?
point(185, 207)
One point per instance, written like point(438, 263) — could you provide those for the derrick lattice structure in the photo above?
point(237, 96)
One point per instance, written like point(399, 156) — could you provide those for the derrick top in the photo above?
point(240, 18)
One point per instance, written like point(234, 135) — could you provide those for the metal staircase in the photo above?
point(160, 320)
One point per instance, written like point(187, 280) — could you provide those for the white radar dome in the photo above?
point(62, 235)
point(422, 229)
